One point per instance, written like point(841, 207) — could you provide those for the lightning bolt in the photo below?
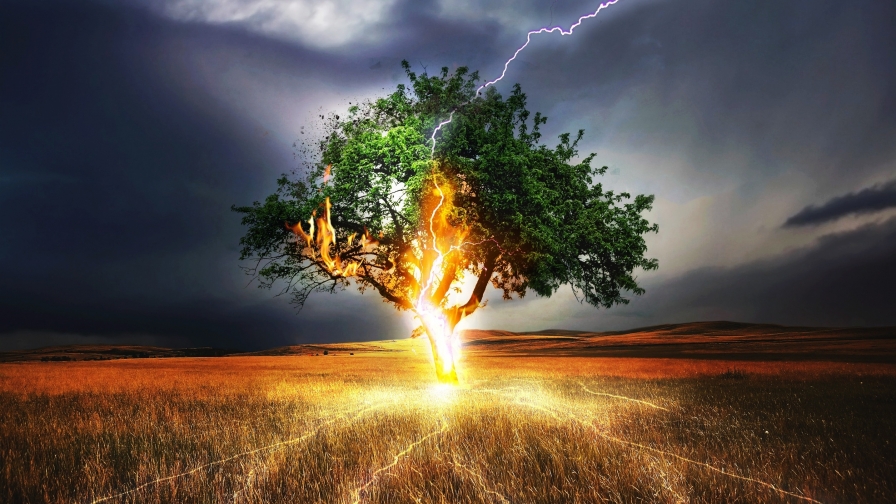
point(420, 306)
point(621, 397)
point(559, 415)
point(432, 150)
point(395, 459)
point(516, 53)
point(568, 31)
point(271, 447)
point(481, 481)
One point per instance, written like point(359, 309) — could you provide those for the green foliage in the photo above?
point(538, 218)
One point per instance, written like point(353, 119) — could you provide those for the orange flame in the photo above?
point(324, 239)
point(443, 239)
point(429, 261)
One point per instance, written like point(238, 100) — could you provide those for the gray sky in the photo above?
point(766, 130)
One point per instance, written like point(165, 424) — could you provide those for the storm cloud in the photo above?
point(129, 129)
point(842, 279)
point(872, 199)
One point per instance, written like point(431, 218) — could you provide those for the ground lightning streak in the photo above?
point(395, 460)
point(621, 397)
point(631, 444)
point(481, 480)
point(280, 444)
point(615, 396)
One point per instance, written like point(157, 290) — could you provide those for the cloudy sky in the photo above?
point(765, 129)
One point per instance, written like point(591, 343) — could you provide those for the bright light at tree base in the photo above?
point(444, 342)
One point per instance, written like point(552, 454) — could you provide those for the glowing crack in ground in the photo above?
point(622, 397)
point(630, 444)
point(395, 460)
point(480, 480)
point(357, 413)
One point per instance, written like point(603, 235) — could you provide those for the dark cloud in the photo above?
point(116, 180)
point(803, 86)
point(844, 279)
point(872, 199)
point(125, 136)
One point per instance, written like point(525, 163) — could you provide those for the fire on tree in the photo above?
point(386, 205)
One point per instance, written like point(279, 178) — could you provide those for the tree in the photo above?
point(405, 202)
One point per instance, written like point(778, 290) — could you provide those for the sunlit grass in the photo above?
point(378, 429)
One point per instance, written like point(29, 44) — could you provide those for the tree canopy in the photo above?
point(479, 195)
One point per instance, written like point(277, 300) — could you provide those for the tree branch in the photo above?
point(401, 302)
point(448, 277)
point(456, 313)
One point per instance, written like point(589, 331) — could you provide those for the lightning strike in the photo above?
point(621, 397)
point(445, 345)
point(357, 413)
point(481, 481)
point(516, 53)
point(432, 150)
point(559, 416)
point(395, 460)
point(568, 31)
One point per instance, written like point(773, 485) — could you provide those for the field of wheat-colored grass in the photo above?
point(376, 428)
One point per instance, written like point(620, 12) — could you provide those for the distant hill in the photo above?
point(694, 340)
point(715, 340)
point(108, 352)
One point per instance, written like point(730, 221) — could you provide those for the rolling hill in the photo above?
point(695, 340)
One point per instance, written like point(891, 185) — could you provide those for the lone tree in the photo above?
point(394, 202)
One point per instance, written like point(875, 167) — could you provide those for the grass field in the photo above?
point(373, 427)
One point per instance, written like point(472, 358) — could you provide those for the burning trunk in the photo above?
point(434, 258)
point(439, 324)
point(445, 349)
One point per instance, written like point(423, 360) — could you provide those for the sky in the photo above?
point(765, 129)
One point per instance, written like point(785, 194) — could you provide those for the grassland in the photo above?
point(373, 427)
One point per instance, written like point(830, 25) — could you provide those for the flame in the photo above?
point(367, 240)
point(324, 239)
point(429, 261)
point(443, 239)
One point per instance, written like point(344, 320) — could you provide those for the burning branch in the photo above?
point(418, 214)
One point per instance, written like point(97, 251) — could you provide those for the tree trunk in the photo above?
point(443, 352)
point(441, 332)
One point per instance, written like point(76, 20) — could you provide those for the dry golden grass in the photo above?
point(374, 428)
